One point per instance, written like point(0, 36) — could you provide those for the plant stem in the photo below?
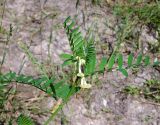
point(60, 107)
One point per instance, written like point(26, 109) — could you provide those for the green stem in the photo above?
point(60, 107)
point(54, 114)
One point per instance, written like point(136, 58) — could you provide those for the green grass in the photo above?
point(137, 14)
point(150, 90)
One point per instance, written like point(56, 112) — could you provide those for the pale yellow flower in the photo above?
point(84, 84)
point(82, 61)
point(80, 75)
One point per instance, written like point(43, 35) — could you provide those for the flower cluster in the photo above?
point(80, 74)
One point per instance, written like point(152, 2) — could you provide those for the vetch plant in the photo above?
point(84, 64)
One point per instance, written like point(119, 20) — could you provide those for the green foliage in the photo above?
point(66, 56)
point(123, 69)
point(111, 62)
point(3, 95)
point(90, 58)
point(103, 64)
point(139, 59)
point(137, 14)
point(156, 62)
point(124, 72)
point(150, 90)
point(83, 58)
point(24, 120)
point(80, 47)
point(133, 90)
point(2, 30)
point(49, 86)
point(130, 60)
point(87, 51)
point(96, 2)
point(120, 61)
point(144, 11)
point(147, 60)
point(75, 38)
